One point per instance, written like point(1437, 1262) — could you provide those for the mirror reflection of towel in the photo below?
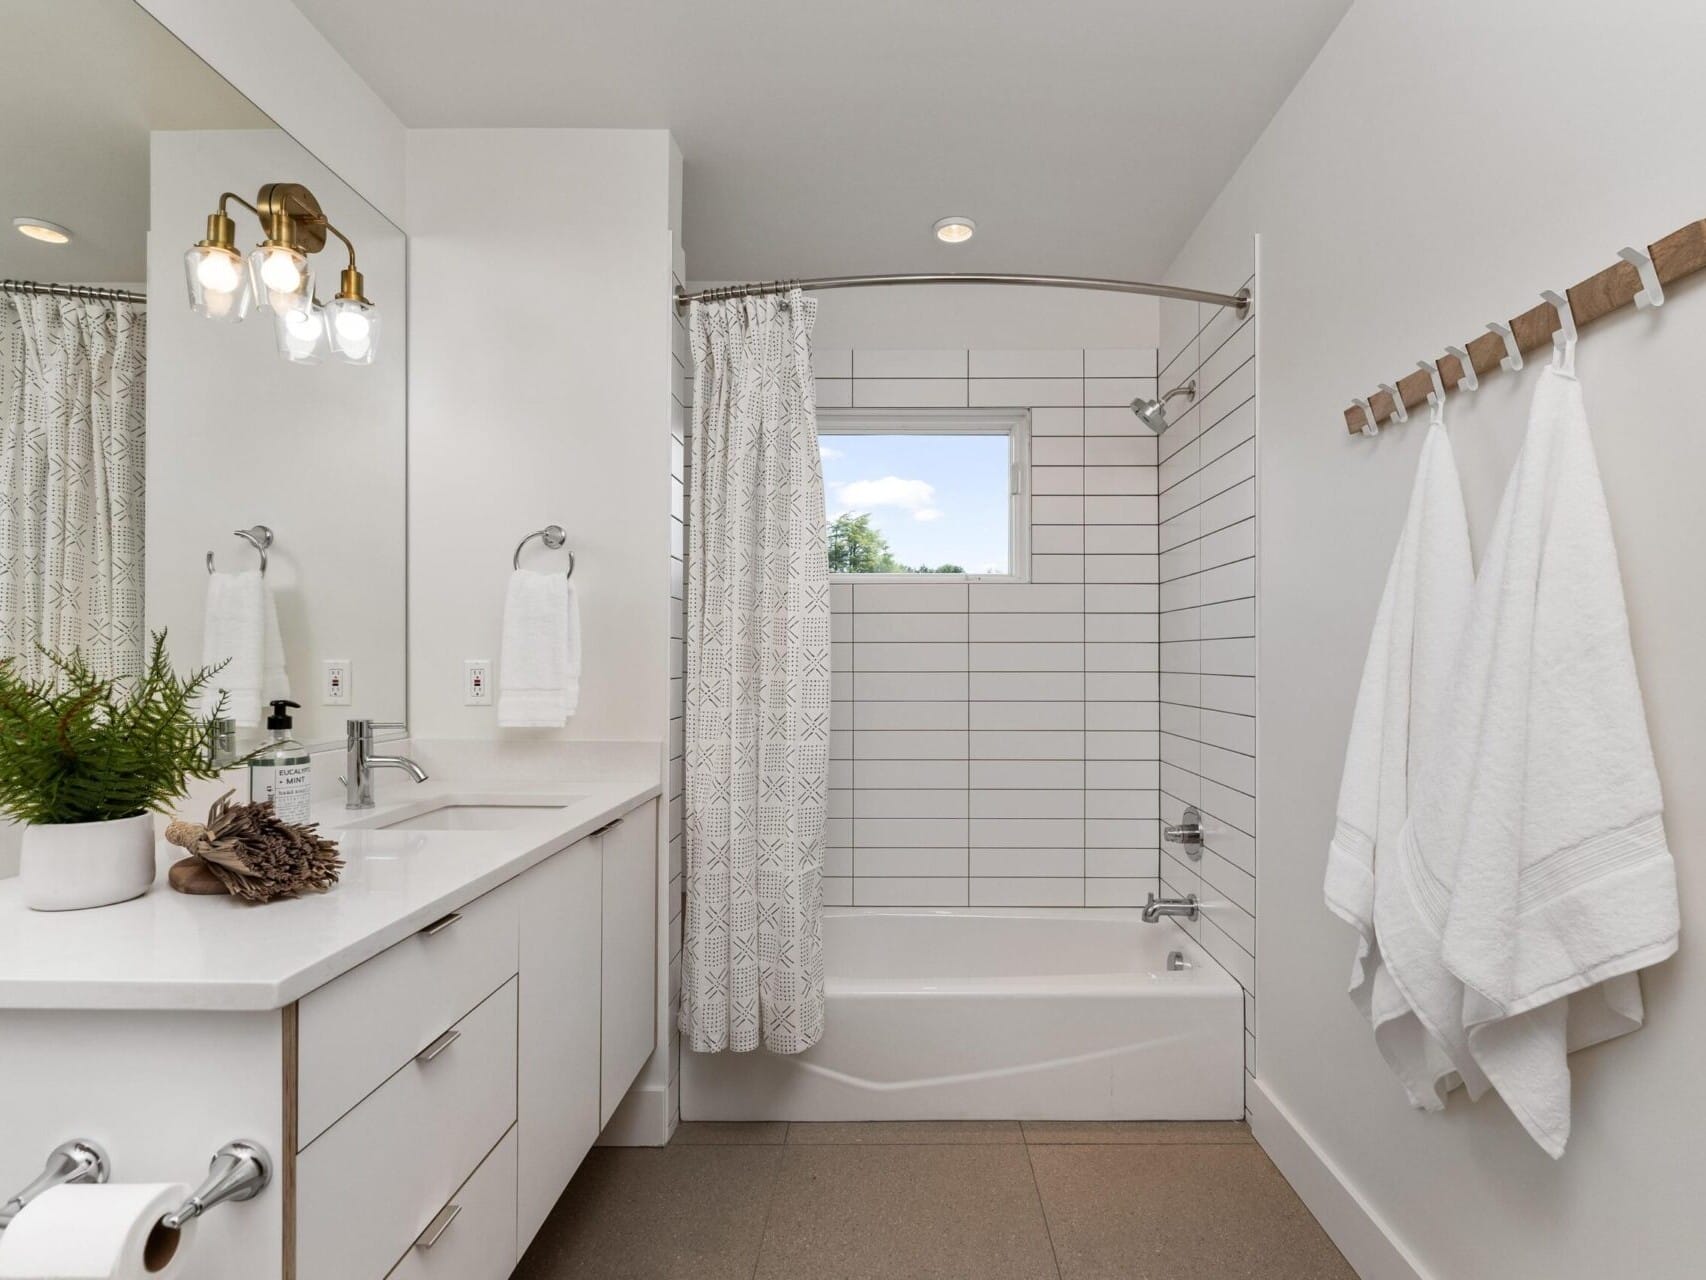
point(240, 628)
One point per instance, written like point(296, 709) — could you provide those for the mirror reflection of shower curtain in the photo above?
point(72, 432)
point(757, 732)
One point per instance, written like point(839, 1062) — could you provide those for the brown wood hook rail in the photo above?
point(1679, 254)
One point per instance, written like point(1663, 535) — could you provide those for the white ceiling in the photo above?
point(1084, 136)
point(85, 82)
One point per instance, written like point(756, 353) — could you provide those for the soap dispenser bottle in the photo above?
point(279, 770)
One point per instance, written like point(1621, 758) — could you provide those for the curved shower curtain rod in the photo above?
point(1239, 301)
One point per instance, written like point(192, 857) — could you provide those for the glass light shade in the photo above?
point(355, 329)
point(282, 277)
point(219, 287)
point(303, 336)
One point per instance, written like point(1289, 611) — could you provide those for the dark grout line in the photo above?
point(1042, 1206)
point(770, 1204)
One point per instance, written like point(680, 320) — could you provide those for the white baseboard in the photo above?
point(1361, 1234)
point(642, 1119)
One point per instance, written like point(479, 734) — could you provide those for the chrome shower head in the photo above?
point(1153, 413)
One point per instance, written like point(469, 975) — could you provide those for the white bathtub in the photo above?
point(986, 1014)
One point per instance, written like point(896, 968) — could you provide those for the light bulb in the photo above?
point(280, 273)
point(353, 328)
point(303, 324)
point(217, 272)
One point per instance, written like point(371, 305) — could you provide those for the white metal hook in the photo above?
point(1652, 292)
point(1564, 337)
point(1369, 426)
point(1399, 412)
point(1436, 397)
point(1511, 361)
point(1470, 380)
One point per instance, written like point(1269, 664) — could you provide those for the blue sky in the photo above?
point(938, 499)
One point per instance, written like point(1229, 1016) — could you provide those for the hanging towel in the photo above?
point(240, 629)
point(540, 666)
point(1404, 680)
point(1564, 885)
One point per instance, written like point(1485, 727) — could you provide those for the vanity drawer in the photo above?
point(472, 1237)
point(370, 1183)
point(360, 1027)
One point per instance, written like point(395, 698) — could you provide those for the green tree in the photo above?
point(856, 546)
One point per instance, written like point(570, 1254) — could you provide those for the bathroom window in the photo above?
point(926, 494)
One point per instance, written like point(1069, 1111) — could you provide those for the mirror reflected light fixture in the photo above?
point(223, 287)
point(303, 337)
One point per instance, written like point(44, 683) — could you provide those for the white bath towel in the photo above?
point(540, 666)
point(240, 629)
point(1550, 814)
point(1404, 681)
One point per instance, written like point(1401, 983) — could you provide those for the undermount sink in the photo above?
point(482, 817)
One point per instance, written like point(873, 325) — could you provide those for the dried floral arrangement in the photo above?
point(253, 853)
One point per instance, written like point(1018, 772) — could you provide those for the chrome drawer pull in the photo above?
point(438, 1226)
point(439, 1045)
point(440, 925)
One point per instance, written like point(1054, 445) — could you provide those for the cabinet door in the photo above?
point(557, 1073)
point(630, 952)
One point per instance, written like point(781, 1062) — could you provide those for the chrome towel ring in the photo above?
point(258, 536)
point(553, 537)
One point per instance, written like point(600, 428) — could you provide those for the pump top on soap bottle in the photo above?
point(280, 770)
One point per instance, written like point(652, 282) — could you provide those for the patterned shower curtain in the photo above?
point(757, 682)
point(71, 480)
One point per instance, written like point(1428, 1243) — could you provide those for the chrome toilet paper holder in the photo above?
point(240, 1171)
point(80, 1160)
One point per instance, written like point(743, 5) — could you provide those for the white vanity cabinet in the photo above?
point(425, 1105)
point(474, 1065)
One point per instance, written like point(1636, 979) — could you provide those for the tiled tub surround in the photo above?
point(997, 743)
point(1208, 630)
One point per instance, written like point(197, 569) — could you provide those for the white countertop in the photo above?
point(169, 950)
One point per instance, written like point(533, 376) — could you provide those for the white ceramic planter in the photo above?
point(86, 864)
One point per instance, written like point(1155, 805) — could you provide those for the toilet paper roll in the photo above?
point(109, 1232)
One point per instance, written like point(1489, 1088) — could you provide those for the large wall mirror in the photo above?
point(152, 453)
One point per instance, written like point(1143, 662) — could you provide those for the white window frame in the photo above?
point(1015, 424)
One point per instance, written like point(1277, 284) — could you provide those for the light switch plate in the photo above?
point(477, 682)
point(335, 682)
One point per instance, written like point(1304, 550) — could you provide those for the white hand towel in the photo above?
point(234, 631)
point(275, 681)
point(1564, 886)
point(1405, 677)
point(540, 664)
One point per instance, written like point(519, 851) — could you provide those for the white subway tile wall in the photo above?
point(998, 744)
point(1207, 641)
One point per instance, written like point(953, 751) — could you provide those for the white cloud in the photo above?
point(927, 513)
point(829, 453)
point(890, 491)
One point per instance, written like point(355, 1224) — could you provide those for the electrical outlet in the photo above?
point(335, 682)
point(477, 682)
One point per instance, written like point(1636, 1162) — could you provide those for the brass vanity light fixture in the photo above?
point(279, 271)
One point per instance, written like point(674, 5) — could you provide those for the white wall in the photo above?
point(540, 375)
point(1437, 167)
point(275, 56)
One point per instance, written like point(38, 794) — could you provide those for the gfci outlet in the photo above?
point(477, 682)
point(334, 682)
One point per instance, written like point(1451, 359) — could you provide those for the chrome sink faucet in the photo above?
point(1155, 908)
point(360, 762)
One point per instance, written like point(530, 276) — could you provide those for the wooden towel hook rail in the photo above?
point(1679, 254)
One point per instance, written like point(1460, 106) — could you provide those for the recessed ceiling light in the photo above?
point(955, 230)
point(41, 229)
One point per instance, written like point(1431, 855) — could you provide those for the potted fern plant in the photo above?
point(86, 761)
